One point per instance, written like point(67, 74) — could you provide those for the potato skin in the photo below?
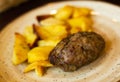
point(77, 50)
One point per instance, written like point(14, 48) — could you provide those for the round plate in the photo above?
point(105, 69)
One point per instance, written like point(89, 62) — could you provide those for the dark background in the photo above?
point(14, 12)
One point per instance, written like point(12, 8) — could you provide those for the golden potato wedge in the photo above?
point(30, 35)
point(39, 53)
point(64, 12)
point(42, 32)
point(44, 63)
point(48, 42)
point(52, 32)
point(39, 70)
point(20, 49)
point(51, 21)
point(33, 65)
point(84, 23)
point(30, 67)
point(78, 12)
point(57, 31)
point(75, 30)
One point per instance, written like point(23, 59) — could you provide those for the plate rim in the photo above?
point(35, 9)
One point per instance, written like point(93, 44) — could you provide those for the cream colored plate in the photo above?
point(104, 69)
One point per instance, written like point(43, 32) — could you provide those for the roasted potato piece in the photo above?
point(33, 65)
point(51, 21)
point(30, 67)
point(42, 17)
point(30, 35)
point(57, 31)
point(39, 53)
point(52, 32)
point(83, 23)
point(20, 49)
point(42, 32)
point(48, 42)
point(64, 13)
point(75, 30)
point(78, 12)
point(39, 70)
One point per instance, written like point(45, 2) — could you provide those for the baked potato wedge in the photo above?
point(78, 12)
point(39, 53)
point(51, 32)
point(39, 70)
point(64, 13)
point(82, 23)
point(51, 21)
point(48, 42)
point(33, 65)
point(41, 32)
point(20, 49)
point(30, 35)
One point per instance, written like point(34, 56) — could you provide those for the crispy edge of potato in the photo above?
point(42, 17)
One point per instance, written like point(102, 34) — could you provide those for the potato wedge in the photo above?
point(52, 32)
point(20, 49)
point(30, 35)
point(33, 65)
point(78, 12)
point(64, 13)
point(57, 31)
point(51, 21)
point(75, 30)
point(39, 53)
point(42, 32)
point(82, 23)
point(48, 42)
point(30, 67)
point(39, 70)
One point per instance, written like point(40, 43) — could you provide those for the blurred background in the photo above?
point(11, 9)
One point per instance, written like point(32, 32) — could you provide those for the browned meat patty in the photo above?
point(77, 50)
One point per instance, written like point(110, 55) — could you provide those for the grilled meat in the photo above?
point(77, 50)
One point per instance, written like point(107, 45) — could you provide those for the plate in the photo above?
point(105, 69)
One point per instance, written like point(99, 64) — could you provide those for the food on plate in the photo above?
point(51, 21)
point(68, 11)
point(41, 63)
point(48, 42)
point(77, 50)
point(34, 46)
point(38, 66)
point(20, 49)
point(64, 13)
point(30, 35)
point(39, 70)
point(80, 24)
point(39, 53)
point(51, 32)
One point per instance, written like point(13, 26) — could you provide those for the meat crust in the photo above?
point(77, 50)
